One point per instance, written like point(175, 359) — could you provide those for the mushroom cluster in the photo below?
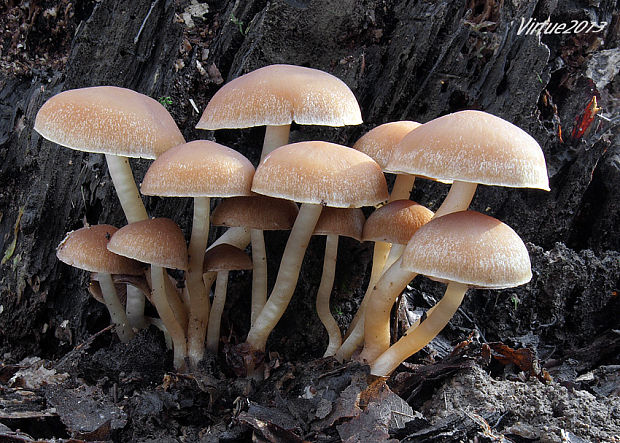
point(329, 182)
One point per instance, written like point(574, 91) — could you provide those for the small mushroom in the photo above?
point(200, 169)
point(222, 259)
point(332, 223)
point(86, 249)
point(257, 213)
point(160, 243)
point(393, 223)
point(463, 249)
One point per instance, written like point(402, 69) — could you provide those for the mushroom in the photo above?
point(394, 224)
point(258, 213)
point(119, 123)
point(86, 249)
point(471, 147)
point(275, 96)
point(315, 174)
point(222, 259)
point(332, 223)
point(200, 169)
point(160, 243)
point(463, 249)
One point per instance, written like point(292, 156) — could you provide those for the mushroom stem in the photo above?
point(176, 303)
point(275, 136)
point(126, 189)
point(377, 318)
point(287, 276)
point(237, 236)
point(259, 273)
point(135, 307)
point(208, 279)
point(115, 308)
point(421, 334)
point(458, 199)
point(380, 254)
point(160, 325)
point(402, 187)
point(198, 297)
point(395, 252)
point(160, 300)
point(325, 290)
point(215, 317)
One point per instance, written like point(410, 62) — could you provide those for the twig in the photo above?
point(148, 14)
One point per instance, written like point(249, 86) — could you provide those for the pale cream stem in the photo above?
point(377, 318)
point(259, 273)
point(115, 308)
point(126, 188)
point(324, 293)
point(380, 254)
point(275, 136)
point(458, 199)
point(160, 325)
point(237, 236)
point(403, 185)
point(395, 252)
point(421, 334)
point(215, 317)
point(209, 278)
point(135, 307)
point(176, 303)
point(198, 297)
point(287, 276)
point(160, 300)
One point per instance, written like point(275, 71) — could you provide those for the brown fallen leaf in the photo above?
point(523, 358)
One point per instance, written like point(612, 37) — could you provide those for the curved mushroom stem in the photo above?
point(403, 185)
point(259, 273)
point(160, 325)
point(215, 318)
point(160, 300)
point(198, 297)
point(135, 307)
point(126, 189)
point(275, 136)
point(176, 302)
point(395, 252)
point(325, 290)
point(458, 199)
point(380, 254)
point(287, 276)
point(377, 318)
point(115, 308)
point(421, 334)
point(355, 339)
point(237, 236)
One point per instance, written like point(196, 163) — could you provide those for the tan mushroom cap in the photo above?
point(256, 212)
point(396, 222)
point(321, 173)
point(108, 120)
point(347, 222)
point(278, 95)
point(472, 146)
point(158, 241)
point(378, 143)
point(225, 257)
point(470, 248)
point(200, 168)
point(86, 248)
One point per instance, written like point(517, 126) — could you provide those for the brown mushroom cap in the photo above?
point(321, 173)
point(200, 168)
point(256, 212)
point(379, 142)
point(278, 95)
point(158, 241)
point(472, 146)
point(347, 222)
point(470, 248)
point(225, 257)
point(108, 120)
point(86, 248)
point(396, 222)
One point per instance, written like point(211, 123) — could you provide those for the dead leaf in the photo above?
point(523, 358)
point(269, 431)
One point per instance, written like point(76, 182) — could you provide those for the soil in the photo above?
point(535, 363)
